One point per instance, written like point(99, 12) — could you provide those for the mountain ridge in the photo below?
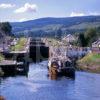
point(49, 24)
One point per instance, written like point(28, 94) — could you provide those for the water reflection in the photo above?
point(16, 72)
point(37, 86)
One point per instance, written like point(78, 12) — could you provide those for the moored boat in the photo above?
point(61, 67)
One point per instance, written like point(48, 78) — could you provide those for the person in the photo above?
point(59, 65)
point(49, 64)
point(53, 71)
point(2, 98)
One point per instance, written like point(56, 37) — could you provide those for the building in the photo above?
point(68, 38)
point(96, 44)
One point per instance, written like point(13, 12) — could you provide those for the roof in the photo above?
point(69, 36)
point(96, 42)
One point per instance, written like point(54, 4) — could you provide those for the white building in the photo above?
point(96, 44)
point(69, 38)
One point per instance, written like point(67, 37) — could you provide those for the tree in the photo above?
point(82, 40)
point(59, 34)
point(98, 31)
point(90, 36)
point(6, 28)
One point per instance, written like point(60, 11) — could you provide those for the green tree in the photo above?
point(59, 34)
point(82, 40)
point(6, 28)
point(90, 36)
point(98, 31)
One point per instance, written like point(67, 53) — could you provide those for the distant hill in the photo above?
point(48, 26)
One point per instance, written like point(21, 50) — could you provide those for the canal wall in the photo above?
point(38, 50)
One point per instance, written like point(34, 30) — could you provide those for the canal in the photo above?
point(38, 86)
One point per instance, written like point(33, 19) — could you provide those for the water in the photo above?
point(37, 86)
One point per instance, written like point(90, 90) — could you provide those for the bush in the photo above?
point(1, 57)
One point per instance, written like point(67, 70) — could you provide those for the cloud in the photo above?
point(27, 8)
point(94, 13)
point(73, 14)
point(23, 19)
point(4, 6)
point(76, 14)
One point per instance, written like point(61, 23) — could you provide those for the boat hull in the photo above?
point(67, 72)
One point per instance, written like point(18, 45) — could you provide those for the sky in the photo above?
point(23, 10)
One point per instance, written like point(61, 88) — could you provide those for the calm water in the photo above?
point(37, 86)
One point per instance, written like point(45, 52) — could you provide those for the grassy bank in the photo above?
point(20, 45)
point(1, 57)
point(90, 63)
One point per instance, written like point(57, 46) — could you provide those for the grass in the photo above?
point(91, 63)
point(93, 57)
point(20, 45)
point(1, 57)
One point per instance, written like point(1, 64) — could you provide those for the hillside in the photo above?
point(47, 26)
